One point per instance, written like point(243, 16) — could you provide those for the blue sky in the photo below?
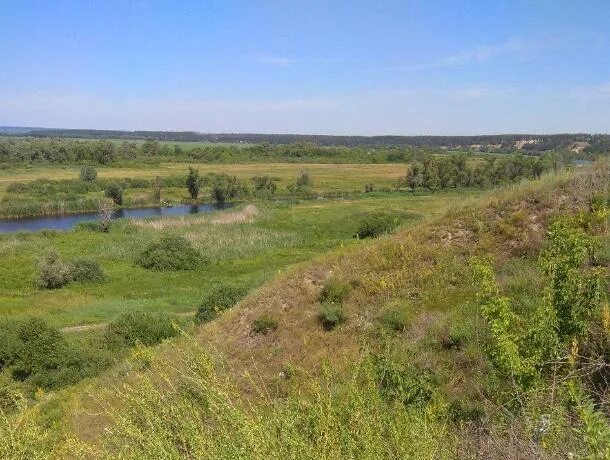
point(328, 67)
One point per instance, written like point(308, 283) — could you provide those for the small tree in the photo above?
point(88, 173)
point(156, 189)
point(115, 193)
point(193, 182)
point(415, 177)
point(106, 208)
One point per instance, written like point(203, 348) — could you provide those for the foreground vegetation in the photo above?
point(482, 332)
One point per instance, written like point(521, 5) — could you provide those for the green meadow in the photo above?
point(245, 253)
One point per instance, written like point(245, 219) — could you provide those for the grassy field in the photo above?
point(326, 177)
point(243, 253)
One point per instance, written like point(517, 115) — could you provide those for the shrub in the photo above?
point(88, 173)
point(264, 186)
point(53, 273)
point(304, 179)
point(17, 187)
point(218, 299)
point(303, 184)
point(115, 193)
point(264, 324)
point(334, 291)
point(38, 354)
point(148, 328)
point(376, 224)
point(225, 188)
point(331, 315)
point(86, 270)
point(396, 319)
point(171, 252)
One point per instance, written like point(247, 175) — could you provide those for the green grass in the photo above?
point(246, 254)
point(407, 375)
point(70, 197)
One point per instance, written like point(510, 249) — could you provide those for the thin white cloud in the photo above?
point(282, 61)
point(512, 48)
point(271, 59)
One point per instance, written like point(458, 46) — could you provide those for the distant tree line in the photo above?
point(31, 150)
point(543, 141)
point(26, 150)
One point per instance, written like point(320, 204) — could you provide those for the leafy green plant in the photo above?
point(376, 224)
point(218, 299)
point(331, 316)
point(575, 291)
point(86, 270)
point(396, 319)
point(503, 323)
point(334, 291)
point(147, 328)
point(37, 354)
point(169, 253)
point(264, 324)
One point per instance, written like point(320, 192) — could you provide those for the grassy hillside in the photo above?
point(481, 333)
point(242, 249)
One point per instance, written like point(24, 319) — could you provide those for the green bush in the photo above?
point(148, 328)
point(218, 299)
point(264, 324)
point(86, 270)
point(169, 253)
point(331, 315)
point(376, 224)
point(88, 173)
point(334, 291)
point(35, 353)
point(395, 319)
point(53, 273)
point(115, 192)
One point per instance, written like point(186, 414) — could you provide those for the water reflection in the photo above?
point(66, 222)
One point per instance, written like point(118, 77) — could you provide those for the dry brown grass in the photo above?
point(422, 266)
point(425, 263)
point(247, 214)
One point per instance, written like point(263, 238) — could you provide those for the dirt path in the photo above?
point(97, 326)
point(84, 327)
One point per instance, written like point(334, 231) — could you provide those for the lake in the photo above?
point(68, 221)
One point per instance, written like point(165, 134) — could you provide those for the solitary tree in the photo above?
point(105, 214)
point(193, 182)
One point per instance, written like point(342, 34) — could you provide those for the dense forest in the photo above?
point(498, 141)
